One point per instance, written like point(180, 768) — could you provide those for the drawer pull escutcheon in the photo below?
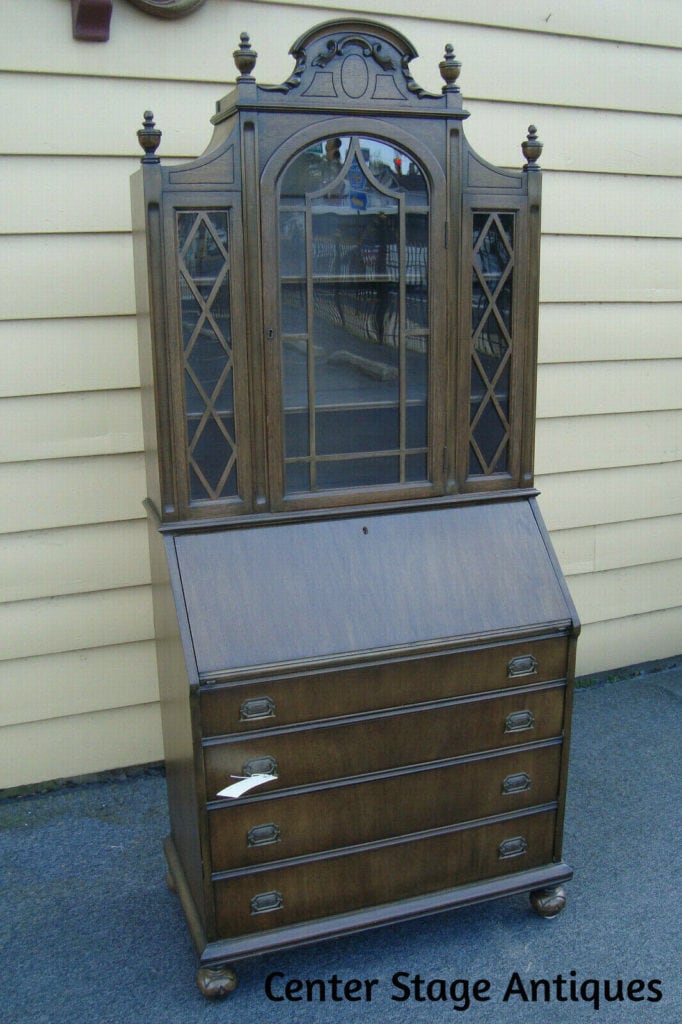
point(257, 707)
point(266, 902)
point(518, 721)
point(519, 783)
point(515, 847)
point(260, 766)
point(524, 665)
point(263, 835)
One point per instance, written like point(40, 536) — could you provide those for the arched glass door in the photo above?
point(354, 316)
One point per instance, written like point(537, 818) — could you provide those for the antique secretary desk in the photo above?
point(358, 611)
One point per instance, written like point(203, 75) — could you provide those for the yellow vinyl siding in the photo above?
point(659, 24)
point(73, 560)
point(611, 495)
point(57, 685)
point(615, 545)
point(647, 637)
point(41, 357)
point(78, 690)
point(80, 423)
point(66, 195)
point(633, 590)
point(611, 20)
point(79, 744)
point(585, 332)
point(67, 276)
point(70, 622)
point(572, 389)
point(598, 269)
point(599, 204)
point(578, 138)
point(576, 442)
point(99, 489)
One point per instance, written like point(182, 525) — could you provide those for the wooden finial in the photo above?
point(149, 137)
point(450, 69)
point(532, 148)
point(245, 58)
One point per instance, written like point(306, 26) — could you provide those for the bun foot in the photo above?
point(548, 902)
point(216, 982)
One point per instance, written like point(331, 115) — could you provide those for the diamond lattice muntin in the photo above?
point(204, 267)
point(491, 342)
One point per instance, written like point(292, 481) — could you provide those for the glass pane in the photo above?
point(294, 308)
point(292, 244)
point(295, 371)
point(211, 458)
point(203, 274)
point(357, 472)
point(416, 467)
point(492, 343)
point(297, 477)
point(490, 420)
point(361, 385)
point(207, 361)
point(345, 428)
point(491, 254)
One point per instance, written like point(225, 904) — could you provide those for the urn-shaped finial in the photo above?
point(450, 68)
point(245, 57)
point(532, 148)
point(149, 137)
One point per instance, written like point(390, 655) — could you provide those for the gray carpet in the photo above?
point(89, 933)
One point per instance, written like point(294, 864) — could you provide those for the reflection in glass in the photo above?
point(353, 243)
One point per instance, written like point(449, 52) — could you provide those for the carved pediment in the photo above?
point(354, 60)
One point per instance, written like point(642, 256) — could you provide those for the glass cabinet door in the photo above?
point(203, 274)
point(491, 342)
point(354, 317)
point(211, 415)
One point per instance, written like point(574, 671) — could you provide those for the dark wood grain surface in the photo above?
point(318, 589)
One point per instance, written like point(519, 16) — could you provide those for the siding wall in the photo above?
point(603, 83)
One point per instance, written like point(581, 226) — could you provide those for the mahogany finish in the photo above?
point(348, 880)
point(374, 807)
point(388, 740)
point(289, 699)
point(354, 591)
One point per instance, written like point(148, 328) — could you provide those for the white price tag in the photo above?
point(244, 785)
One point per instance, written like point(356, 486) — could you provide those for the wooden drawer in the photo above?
point(348, 747)
point(241, 707)
point(287, 893)
point(264, 828)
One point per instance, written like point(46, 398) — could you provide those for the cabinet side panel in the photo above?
point(152, 330)
point(177, 722)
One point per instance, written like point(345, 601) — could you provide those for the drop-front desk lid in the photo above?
point(326, 589)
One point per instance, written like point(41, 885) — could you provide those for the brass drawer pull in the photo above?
point(260, 766)
point(518, 721)
point(257, 707)
point(266, 902)
point(524, 665)
point(263, 835)
point(519, 783)
point(515, 847)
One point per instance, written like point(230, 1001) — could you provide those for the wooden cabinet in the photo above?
point(356, 599)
